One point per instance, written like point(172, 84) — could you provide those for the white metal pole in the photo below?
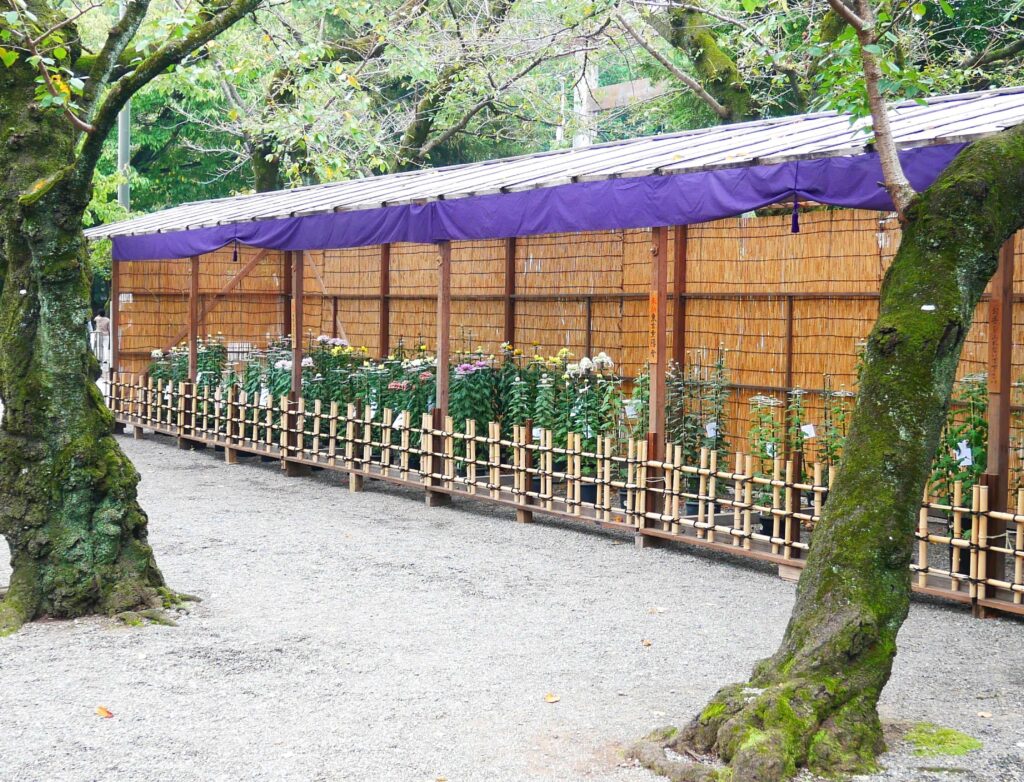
point(124, 145)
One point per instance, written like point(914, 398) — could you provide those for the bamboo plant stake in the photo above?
point(677, 487)
point(494, 458)
point(709, 499)
point(748, 499)
point(702, 490)
point(958, 534)
point(776, 503)
point(981, 525)
point(922, 544)
point(788, 521)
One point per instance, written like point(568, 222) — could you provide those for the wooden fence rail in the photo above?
point(732, 507)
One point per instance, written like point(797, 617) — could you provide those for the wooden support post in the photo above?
point(588, 339)
point(1000, 353)
point(115, 315)
point(444, 322)
point(334, 316)
point(297, 265)
point(509, 332)
point(193, 318)
point(286, 292)
point(657, 318)
point(384, 312)
point(294, 418)
point(679, 279)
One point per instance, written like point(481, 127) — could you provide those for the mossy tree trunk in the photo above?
point(68, 507)
point(813, 703)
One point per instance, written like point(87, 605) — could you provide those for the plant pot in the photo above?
point(624, 499)
point(588, 492)
point(766, 523)
point(535, 484)
point(414, 460)
point(692, 507)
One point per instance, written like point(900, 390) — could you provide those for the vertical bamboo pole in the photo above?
point(682, 235)
point(658, 303)
point(1000, 353)
point(384, 311)
point(193, 318)
point(115, 315)
point(509, 331)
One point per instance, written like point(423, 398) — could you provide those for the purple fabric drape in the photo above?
point(639, 202)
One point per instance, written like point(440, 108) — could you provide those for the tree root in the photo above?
point(768, 734)
point(11, 618)
point(155, 616)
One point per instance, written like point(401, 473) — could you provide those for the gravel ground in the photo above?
point(366, 637)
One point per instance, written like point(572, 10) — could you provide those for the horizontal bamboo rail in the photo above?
point(731, 508)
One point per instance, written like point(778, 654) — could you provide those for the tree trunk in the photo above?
point(68, 506)
point(813, 703)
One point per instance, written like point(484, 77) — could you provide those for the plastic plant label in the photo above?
point(399, 421)
point(964, 455)
point(769, 448)
point(537, 432)
point(809, 431)
point(373, 411)
point(630, 408)
point(711, 428)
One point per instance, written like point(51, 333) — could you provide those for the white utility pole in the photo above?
point(124, 145)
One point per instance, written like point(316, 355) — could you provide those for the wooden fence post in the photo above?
point(193, 318)
point(509, 331)
point(293, 419)
point(682, 233)
point(1000, 385)
point(444, 322)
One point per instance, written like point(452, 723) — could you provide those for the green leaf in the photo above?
point(947, 9)
point(919, 10)
point(7, 57)
point(60, 52)
point(873, 48)
point(11, 17)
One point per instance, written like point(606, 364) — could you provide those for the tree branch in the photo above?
point(856, 22)
point(900, 190)
point(169, 54)
point(118, 38)
point(672, 68)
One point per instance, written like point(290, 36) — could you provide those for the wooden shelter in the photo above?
point(648, 249)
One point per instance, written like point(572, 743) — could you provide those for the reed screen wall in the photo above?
point(790, 308)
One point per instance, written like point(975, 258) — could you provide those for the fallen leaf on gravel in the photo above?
point(104, 712)
point(551, 698)
point(646, 642)
point(984, 714)
point(656, 610)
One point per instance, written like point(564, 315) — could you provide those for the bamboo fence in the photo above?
point(962, 553)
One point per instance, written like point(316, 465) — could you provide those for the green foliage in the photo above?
point(966, 425)
point(835, 424)
point(766, 437)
